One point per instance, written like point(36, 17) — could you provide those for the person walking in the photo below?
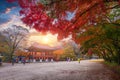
point(13, 61)
point(24, 61)
point(78, 60)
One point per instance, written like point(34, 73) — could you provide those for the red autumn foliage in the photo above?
point(51, 15)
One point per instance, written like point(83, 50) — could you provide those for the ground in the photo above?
point(85, 70)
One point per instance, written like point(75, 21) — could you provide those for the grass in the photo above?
point(96, 60)
point(111, 64)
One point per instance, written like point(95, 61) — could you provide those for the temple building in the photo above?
point(37, 54)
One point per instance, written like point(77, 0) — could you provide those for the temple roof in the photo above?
point(38, 49)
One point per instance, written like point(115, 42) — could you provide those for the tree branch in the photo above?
point(82, 13)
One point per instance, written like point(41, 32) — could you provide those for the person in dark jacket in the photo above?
point(24, 61)
point(13, 61)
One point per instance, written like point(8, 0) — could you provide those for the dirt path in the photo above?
point(86, 70)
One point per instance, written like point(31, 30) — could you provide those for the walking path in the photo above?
point(86, 70)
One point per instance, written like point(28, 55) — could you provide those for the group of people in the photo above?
point(24, 60)
point(43, 60)
point(69, 59)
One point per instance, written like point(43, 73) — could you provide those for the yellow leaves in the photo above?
point(59, 52)
point(21, 53)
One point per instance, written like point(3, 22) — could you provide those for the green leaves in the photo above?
point(105, 39)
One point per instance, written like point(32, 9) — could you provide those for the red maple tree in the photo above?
point(64, 17)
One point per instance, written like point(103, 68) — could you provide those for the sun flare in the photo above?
point(48, 39)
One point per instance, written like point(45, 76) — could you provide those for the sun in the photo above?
point(48, 39)
point(45, 39)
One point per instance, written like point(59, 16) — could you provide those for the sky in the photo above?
point(9, 15)
point(8, 12)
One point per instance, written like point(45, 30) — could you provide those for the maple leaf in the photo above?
point(41, 14)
